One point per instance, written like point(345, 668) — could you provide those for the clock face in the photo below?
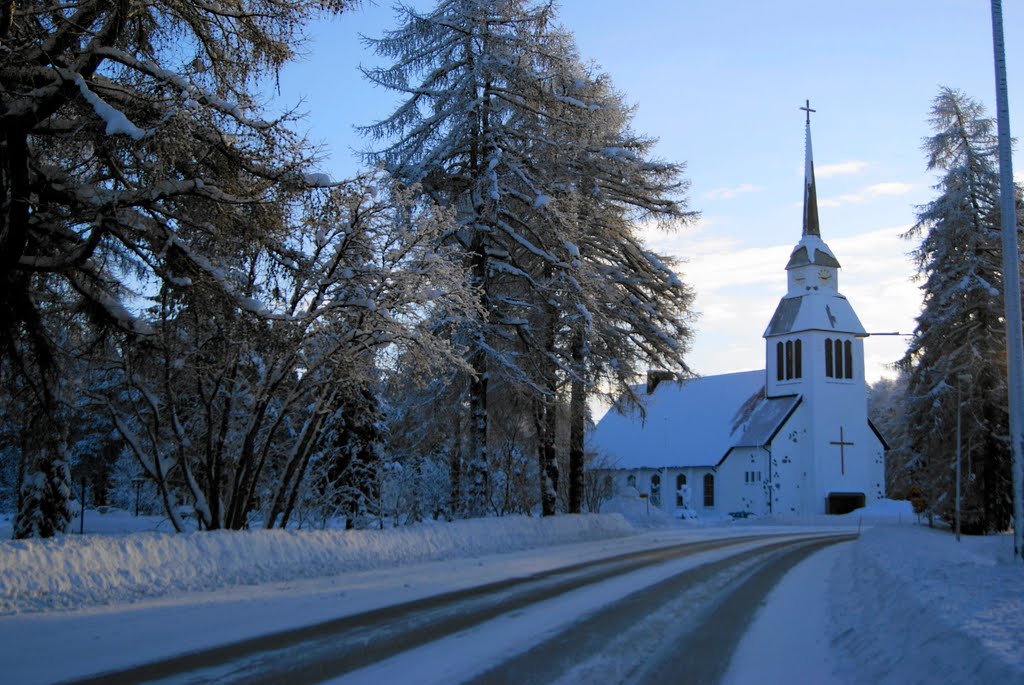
point(824, 275)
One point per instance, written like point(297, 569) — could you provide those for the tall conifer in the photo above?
point(961, 330)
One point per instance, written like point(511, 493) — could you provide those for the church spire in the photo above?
point(810, 195)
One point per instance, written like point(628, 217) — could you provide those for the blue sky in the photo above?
point(719, 84)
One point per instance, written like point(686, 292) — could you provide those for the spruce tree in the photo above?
point(960, 330)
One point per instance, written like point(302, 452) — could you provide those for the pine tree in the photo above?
point(960, 330)
point(44, 498)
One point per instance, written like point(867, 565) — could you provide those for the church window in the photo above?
point(838, 358)
point(680, 484)
point(656, 490)
point(631, 480)
point(709, 490)
point(788, 360)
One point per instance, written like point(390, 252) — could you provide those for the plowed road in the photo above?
point(665, 615)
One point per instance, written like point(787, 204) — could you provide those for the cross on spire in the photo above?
point(807, 108)
point(810, 193)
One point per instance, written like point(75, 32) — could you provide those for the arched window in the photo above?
point(848, 348)
point(838, 349)
point(788, 360)
point(680, 484)
point(631, 480)
point(709, 490)
point(828, 357)
point(656, 490)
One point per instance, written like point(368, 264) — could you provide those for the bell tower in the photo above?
point(814, 347)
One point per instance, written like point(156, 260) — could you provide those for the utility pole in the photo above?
point(1011, 280)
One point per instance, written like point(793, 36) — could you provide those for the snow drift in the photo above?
point(73, 571)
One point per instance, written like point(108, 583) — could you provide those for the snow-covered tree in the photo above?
point(627, 310)
point(133, 143)
point(238, 404)
point(887, 410)
point(345, 467)
point(135, 159)
point(473, 72)
point(502, 123)
point(961, 330)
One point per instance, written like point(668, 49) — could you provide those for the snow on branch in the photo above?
point(117, 122)
point(190, 90)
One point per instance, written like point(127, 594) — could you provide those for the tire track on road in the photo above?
point(316, 653)
point(682, 629)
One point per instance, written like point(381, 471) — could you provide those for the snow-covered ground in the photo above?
point(904, 603)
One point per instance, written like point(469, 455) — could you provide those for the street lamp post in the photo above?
point(960, 380)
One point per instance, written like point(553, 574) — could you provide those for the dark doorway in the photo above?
point(843, 502)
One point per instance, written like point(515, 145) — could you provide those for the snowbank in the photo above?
point(909, 601)
point(74, 571)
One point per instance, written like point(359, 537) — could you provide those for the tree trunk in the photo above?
point(548, 420)
point(476, 467)
point(577, 424)
point(477, 462)
point(455, 473)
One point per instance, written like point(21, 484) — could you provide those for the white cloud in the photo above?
point(890, 188)
point(868, 192)
point(841, 200)
point(839, 169)
point(729, 193)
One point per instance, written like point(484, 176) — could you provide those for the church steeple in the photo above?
point(810, 195)
point(813, 319)
point(812, 266)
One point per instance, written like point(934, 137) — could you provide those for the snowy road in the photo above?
point(635, 617)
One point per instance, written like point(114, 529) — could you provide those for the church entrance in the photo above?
point(843, 502)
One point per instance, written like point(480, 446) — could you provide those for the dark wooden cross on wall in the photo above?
point(842, 450)
point(807, 108)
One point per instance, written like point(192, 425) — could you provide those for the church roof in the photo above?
point(764, 419)
point(692, 423)
point(812, 250)
point(815, 311)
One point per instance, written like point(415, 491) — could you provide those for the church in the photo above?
point(791, 440)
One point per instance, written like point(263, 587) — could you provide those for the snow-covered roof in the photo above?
point(812, 250)
point(693, 423)
point(815, 311)
point(764, 419)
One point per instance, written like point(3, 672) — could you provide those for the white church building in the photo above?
point(793, 439)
